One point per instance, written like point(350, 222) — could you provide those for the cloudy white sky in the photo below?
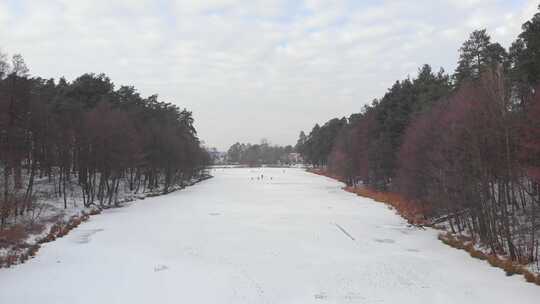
point(250, 69)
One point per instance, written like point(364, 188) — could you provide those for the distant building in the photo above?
point(217, 157)
point(295, 158)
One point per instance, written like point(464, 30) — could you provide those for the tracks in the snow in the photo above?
point(345, 231)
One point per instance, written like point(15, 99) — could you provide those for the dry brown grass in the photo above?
point(413, 212)
point(477, 254)
point(510, 267)
point(529, 277)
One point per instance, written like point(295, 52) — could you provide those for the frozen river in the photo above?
point(291, 237)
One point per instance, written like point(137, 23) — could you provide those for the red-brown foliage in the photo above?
point(530, 142)
point(413, 212)
point(12, 235)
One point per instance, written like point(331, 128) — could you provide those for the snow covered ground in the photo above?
point(291, 237)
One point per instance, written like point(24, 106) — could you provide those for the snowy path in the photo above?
point(295, 238)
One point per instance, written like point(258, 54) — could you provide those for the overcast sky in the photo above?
point(252, 69)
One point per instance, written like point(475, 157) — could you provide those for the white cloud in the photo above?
point(252, 69)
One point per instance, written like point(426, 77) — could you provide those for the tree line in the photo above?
point(465, 146)
point(89, 134)
point(259, 154)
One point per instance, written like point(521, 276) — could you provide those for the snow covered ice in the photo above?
point(291, 237)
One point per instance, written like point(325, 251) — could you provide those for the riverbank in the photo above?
point(416, 214)
point(21, 242)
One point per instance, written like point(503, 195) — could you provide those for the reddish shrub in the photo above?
point(12, 235)
point(11, 259)
point(413, 212)
point(529, 277)
point(35, 228)
point(33, 250)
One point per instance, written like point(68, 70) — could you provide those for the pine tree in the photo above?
point(476, 55)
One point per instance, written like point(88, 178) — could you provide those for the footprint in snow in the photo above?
point(320, 296)
point(348, 297)
point(385, 241)
point(86, 235)
point(160, 267)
